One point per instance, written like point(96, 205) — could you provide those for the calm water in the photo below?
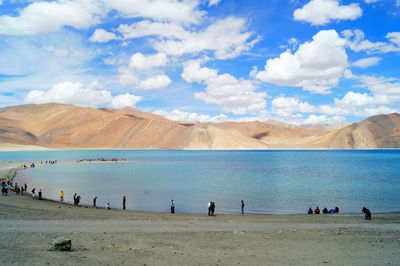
point(268, 181)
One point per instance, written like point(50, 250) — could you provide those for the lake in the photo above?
point(277, 181)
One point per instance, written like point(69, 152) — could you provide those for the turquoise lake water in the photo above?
point(268, 181)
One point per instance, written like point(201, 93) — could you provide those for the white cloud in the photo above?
point(321, 12)
point(76, 93)
point(1, 2)
point(323, 120)
point(160, 10)
point(126, 77)
point(155, 82)
point(356, 41)
point(287, 106)
point(148, 28)
point(371, 1)
point(366, 62)
point(142, 62)
point(179, 115)
point(226, 38)
point(237, 96)
point(44, 17)
point(213, 2)
point(123, 100)
point(101, 35)
point(316, 66)
point(193, 72)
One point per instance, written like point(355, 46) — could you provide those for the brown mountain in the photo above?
point(69, 126)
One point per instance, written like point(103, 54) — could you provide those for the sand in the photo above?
point(117, 237)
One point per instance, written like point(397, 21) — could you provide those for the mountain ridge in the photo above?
point(65, 126)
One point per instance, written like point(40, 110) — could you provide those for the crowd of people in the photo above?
point(324, 211)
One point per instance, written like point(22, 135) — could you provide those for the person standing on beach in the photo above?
point(94, 202)
point(172, 206)
point(25, 187)
point(75, 199)
point(209, 208)
point(212, 208)
point(61, 195)
point(33, 193)
point(40, 194)
point(242, 207)
point(124, 203)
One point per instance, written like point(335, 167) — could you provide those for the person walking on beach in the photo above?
point(25, 187)
point(124, 203)
point(40, 194)
point(75, 199)
point(212, 208)
point(242, 207)
point(61, 195)
point(209, 208)
point(33, 193)
point(172, 206)
point(78, 200)
point(367, 213)
point(94, 202)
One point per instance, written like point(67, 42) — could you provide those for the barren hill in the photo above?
point(69, 126)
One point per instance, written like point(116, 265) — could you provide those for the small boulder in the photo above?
point(61, 244)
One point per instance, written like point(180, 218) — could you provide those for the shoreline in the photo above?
point(126, 237)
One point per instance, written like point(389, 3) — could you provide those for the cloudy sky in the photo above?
point(298, 61)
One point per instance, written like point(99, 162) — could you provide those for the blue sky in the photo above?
point(297, 61)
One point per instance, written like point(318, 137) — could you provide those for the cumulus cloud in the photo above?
point(179, 115)
point(123, 100)
point(287, 106)
point(356, 41)
point(366, 62)
point(44, 17)
point(77, 93)
point(316, 66)
point(155, 82)
point(237, 96)
point(142, 62)
point(101, 35)
point(226, 38)
point(213, 2)
point(149, 28)
point(161, 10)
point(323, 119)
point(321, 12)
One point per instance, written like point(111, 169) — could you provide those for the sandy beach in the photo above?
point(117, 237)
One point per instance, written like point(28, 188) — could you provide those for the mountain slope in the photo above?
point(69, 126)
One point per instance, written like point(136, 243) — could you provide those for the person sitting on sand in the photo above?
point(108, 206)
point(61, 195)
point(325, 211)
point(367, 213)
point(331, 211)
point(310, 211)
point(317, 210)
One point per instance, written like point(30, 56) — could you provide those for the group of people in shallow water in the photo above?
point(324, 211)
